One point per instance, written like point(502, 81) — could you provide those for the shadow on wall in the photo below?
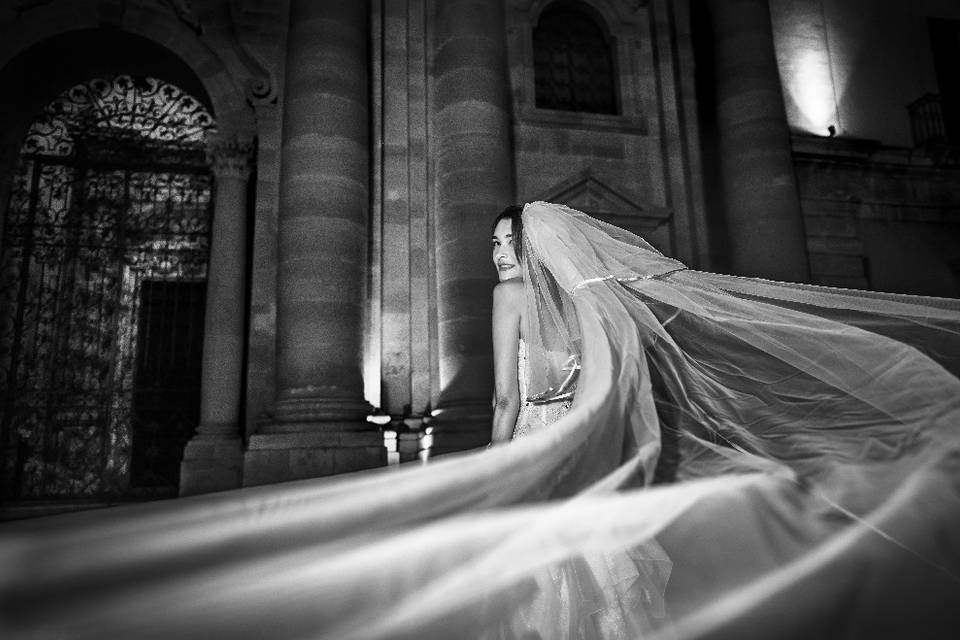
point(912, 258)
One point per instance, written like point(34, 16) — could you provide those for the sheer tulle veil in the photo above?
point(743, 458)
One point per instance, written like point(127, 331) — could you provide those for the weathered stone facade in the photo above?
point(879, 218)
point(363, 148)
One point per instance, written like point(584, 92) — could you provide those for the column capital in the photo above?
point(230, 157)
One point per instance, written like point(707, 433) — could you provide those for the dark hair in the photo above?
point(514, 213)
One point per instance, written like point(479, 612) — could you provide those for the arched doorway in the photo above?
point(102, 288)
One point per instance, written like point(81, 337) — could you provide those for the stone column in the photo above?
point(761, 198)
point(319, 426)
point(474, 181)
point(212, 460)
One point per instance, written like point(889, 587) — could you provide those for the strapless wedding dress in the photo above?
point(611, 595)
point(533, 417)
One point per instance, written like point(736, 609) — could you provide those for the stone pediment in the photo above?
point(585, 192)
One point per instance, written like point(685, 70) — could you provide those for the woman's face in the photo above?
point(504, 254)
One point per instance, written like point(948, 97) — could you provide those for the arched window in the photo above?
point(573, 62)
point(102, 287)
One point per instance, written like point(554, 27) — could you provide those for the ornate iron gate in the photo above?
point(102, 283)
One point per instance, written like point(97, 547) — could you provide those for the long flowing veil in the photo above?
point(743, 458)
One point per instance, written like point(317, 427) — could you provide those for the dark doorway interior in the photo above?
point(166, 393)
point(945, 43)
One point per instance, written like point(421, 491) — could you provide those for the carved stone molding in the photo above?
point(586, 192)
point(185, 14)
point(225, 19)
point(230, 157)
point(23, 6)
point(614, 12)
point(260, 87)
point(261, 90)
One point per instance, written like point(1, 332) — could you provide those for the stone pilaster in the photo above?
point(318, 424)
point(473, 155)
point(760, 189)
point(212, 460)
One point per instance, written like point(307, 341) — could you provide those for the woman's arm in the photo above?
point(507, 301)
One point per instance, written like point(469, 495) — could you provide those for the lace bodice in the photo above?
point(533, 417)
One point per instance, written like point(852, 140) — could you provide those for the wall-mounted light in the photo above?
point(379, 417)
point(814, 73)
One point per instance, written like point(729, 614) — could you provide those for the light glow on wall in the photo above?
point(813, 55)
point(813, 91)
point(371, 377)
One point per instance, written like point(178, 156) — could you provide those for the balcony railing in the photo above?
point(926, 121)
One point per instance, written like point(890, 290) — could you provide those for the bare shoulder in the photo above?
point(508, 295)
point(508, 291)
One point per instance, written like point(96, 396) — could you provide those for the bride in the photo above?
point(812, 385)
point(624, 590)
point(789, 455)
point(513, 416)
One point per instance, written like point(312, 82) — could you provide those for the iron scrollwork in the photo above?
point(102, 283)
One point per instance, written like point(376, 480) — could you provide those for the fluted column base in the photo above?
point(312, 413)
point(280, 457)
point(212, 461)
point(460, 426)
point(309, 437)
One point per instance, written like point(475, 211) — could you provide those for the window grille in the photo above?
point(926, 120)
point(573, 62)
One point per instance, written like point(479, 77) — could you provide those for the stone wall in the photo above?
point(640, 165)
point(879, 218)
